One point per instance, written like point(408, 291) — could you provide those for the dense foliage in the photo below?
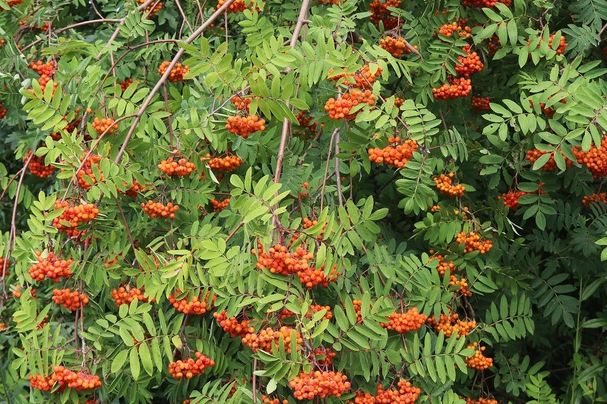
point(275, 201)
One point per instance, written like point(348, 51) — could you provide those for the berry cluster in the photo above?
point(485, 3)
point(279, 260)
point(305, 121)
point(50, 267)
point(218, 206)
point(79, 381)
point(469, 64)
point(398, 102)
point(70, 299)
point(600, 197)
point(46, 72)
point(481, 103)
point(304, 193)
point(493, 45)
point(473, 242)
point(547, 111)
point(226, 163)
point(70, 128)
point(396, 46)
point(245, 125)
point(312, 385)
point(74, 216)
point(153, 9)
point(396, 154)
point(241, 103)
point(340, 108)
point(381, 14)
point(176, 74)
point(232, 326)
point(134, 189)
point(189, 368)
point(308, 223)
point(105, 126)
point(408, 321)
point(3, 112)
point(461, 284)
point(176, 168)
point(534, 154)
point(268, 338)
point(459, 28)
point(443, 265)
point(86, 177)
point(126, 294)
point(357, 309)
point(478, 361)
point(322, 356)
point(37, 167)
point(158, 210)
point(238, 6)
point(481, 400)
point(594, 159)
point(311, 277)
point(450, 324)
point(560, 50)
point(406, 394)
point(314, 308)
point(511, 198)
point(364, 78)
point(197, 306)
point(40, 382)
point(457, 87)
point(17, 292)
point(444, 184)
point(125, 84)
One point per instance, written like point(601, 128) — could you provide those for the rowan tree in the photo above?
point(336, 201)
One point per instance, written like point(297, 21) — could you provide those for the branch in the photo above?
point(337, 175)
point(164, 77)
point(75, 25)
point(301, 19)
point(324, 178)
point(13, 232)
point(120, 24)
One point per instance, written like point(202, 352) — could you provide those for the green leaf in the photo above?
point(134, 363)
point(119, 360)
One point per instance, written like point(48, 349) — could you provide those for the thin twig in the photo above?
point(337, 175)
point(254, 383)
point(301, 19)
point(120, 24)
point(324, 178)
point(13, 232)
point(233, 232)
point(185, 19)
point(165, 95)
point(75, 25)
point(164, 77)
